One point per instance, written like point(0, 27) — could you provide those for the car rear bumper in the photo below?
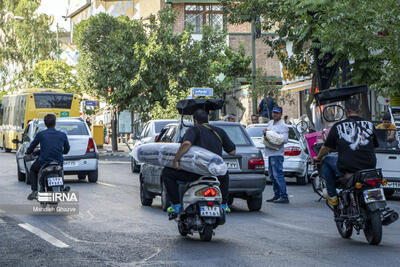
point(246, 183)
point(292, 168)
point(80, 165)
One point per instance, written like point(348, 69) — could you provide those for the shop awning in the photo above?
point(296, 87)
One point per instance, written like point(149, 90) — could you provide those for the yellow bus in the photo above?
point(19, 109)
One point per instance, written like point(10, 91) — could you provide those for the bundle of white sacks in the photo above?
point(197, 160)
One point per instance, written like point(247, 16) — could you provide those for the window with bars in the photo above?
point(197, 15)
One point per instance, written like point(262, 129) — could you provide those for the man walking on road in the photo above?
point(276, 157)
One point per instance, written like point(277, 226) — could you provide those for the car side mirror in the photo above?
point(16, 141)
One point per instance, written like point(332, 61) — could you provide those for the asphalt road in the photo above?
point(113, 229)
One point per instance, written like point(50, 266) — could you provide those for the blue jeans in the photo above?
point(275, 169)
point(330, 172)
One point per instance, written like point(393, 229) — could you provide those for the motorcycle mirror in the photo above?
point(333, 113)
point(302, 126)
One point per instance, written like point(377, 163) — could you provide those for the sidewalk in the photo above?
point(106, 151)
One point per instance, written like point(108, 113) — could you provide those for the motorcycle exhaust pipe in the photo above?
point(390, 218)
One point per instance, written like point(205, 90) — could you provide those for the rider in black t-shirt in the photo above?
point(354, 140)
point(208, 137)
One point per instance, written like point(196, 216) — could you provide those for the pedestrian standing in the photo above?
point(254, 119)
point(276, 157)
point(89, 124)
point(265, 107)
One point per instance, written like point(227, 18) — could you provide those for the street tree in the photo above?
point(54, 74)
point(327, 34)
point(25, 38)
point(107, 61)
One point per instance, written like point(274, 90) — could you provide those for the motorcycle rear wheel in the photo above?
point(207, 233)
point(345, 229)
point(373, 228)
point(182, 229)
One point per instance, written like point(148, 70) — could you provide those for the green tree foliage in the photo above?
point(107, 60)
point(168, 111)
point(25, 38)
point(54, 74)
point(366, 32)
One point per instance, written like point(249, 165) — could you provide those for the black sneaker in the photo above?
point(272, 199)
point(282, 200)
point(33, 195)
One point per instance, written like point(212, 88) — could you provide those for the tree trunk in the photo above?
point(310, 99)
point(114, 131)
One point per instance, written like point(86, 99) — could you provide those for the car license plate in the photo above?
point(233, 164)
point(393, 185)
point(207, 211)
point(70, 163)
point(373, 195)
point(55, 181)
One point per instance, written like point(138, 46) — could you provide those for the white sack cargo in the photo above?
point(273, 140)
point(197, 160)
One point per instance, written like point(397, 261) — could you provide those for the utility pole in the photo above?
point(253, 65)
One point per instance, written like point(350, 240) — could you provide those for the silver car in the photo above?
point(150, 132)
point(296, 163)
point(82, 159)
point(246, 169)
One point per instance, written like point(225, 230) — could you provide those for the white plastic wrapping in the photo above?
point(273, 140)
point(197, 160)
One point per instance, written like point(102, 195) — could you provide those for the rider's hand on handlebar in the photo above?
point(176, 165)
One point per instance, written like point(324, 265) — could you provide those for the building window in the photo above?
point(198, 15)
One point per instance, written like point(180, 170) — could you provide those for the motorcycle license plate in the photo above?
point(207, 211)
point(55, 181)
point(373, 195)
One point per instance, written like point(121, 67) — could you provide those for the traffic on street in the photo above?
point(114, 229)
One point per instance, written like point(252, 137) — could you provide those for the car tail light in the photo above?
point(90, 146)
point(210, 203)
point(373, 181)
point(256, 164)
point(210, 192)
point(292, 151)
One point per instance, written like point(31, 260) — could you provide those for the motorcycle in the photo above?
point(50, 177)
point(362, 205)
point(201, 208)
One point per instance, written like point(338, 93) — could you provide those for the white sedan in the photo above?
point(296, 163)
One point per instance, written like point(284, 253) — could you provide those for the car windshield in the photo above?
point(68, 127)
point(258, 132)
point(236, 134)
point(388, 140)
point(255, 131)
point(161, 124)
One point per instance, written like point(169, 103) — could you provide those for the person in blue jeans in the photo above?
point(331, 172)
point(276, 158)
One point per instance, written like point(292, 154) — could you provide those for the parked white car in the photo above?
point(149, 134)
point(296, 164)
point(82, 158)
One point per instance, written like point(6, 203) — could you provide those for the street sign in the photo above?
point(90, 103)
point(64, 114)
point(202, 91)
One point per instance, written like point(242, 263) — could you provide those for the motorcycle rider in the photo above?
point(53, 144)
point(355, 140)
point(208, 137)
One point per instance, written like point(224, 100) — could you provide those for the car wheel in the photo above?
point(165, 202)
point(21, 176)
point(135, 168)
point(303, 180)
point(255, 202)
point(81, 176)
point(92, 176)
point(144, 195)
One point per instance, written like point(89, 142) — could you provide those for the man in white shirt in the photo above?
point(276, 157)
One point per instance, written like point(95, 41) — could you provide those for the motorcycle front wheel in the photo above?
point(206, 233)
point(345, 229)
point(373, 228)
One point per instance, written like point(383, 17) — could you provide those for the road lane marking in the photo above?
point(43, 235)
point(106, 184)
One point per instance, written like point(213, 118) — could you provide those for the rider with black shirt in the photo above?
point(354, 140)
point(208, 137)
